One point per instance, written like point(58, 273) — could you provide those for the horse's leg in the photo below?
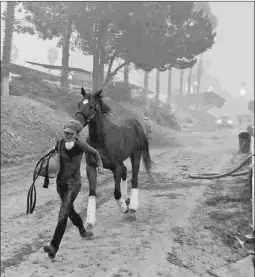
point(123, 185)
point(91, 210)
point(135, 161)
point(117, 171)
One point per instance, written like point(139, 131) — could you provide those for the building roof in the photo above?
point(58, 67)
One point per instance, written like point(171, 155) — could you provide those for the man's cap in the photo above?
point(73, 126)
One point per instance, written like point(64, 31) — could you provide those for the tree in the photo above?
point(169, 88)
point(50, 20)
point(149, 34)
point(9, 18)
point(126, 74)
point(14, 53)
point(146, 81)
point(157, 85)
point(133, 32)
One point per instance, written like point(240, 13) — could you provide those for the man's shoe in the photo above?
point(51, 250)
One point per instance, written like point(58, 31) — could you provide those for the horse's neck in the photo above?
point(97, 129)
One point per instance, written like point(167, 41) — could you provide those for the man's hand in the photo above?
point(100, 170)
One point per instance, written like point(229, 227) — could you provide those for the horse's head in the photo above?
point(88, 106)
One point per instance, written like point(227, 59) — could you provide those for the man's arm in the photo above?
point(87, 148)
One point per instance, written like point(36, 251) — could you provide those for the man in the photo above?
point(70, 150)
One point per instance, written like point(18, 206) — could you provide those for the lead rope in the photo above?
point(31, 195)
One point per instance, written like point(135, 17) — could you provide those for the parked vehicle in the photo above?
point(225, 122)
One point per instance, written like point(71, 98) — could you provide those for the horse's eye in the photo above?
point(91, 107)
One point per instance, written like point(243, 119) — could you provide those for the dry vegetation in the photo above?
point(34, 114)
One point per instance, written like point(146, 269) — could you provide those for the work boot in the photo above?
point(51, 250)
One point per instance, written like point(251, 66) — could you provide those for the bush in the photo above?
point(119, 91)
point(163, 115)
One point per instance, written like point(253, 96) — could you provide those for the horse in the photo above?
point(116, 139)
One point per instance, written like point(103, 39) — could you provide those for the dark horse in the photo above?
point(116, 140)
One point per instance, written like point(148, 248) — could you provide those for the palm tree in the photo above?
point(9, 17)
point(181, 82)
point(169, 88)
point(67, 31)
point(126, 74)
point(157, 85)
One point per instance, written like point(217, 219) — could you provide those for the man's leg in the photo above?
point(74, 216)
point(67, 198)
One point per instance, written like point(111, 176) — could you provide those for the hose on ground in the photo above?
point(211, 176)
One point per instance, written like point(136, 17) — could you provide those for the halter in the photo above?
point(87, 120)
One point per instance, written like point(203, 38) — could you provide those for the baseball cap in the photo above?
point(73, 126)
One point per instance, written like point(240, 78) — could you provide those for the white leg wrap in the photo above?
point(134, 200)
point(91, 213)
point(122, 204)
point(123, 187)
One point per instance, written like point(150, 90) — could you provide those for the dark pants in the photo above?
point(67, 193)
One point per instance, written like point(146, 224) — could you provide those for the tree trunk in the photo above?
point(146, 83)
point(95, 74)
point(199, 73)
point(101, 69)
point(189, 80)
point(7, 47)
point(126, 74)
point(157, 85)
point(169, 89)
point(65, 53)
point(181, 82)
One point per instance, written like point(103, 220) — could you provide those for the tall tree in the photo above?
point(50, 20)
point(181, 82)
point(189, 80)
point(169, 88)
point(146, 82)
point(14, 53)
point(126, 74)
point(9, 18)
point(157, 85)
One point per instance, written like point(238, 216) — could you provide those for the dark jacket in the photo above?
point(70, 161)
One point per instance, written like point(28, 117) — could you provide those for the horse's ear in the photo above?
point(99, 93)
point(83, 92)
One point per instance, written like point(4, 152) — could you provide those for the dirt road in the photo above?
point(151, 243)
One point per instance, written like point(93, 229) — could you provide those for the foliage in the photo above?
point(149, 34)
point(119, 91)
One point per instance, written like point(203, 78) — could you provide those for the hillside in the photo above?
point(33, 117)
point(27, 128)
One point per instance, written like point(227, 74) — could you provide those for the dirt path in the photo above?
point(123, 245)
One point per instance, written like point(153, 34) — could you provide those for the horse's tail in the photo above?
point(146, 154)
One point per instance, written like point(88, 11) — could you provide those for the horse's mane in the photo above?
point(105, 108)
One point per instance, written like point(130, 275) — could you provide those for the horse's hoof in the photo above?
point(127, 210)
point(127, 201)
point(89, 234)
point(132, 211)
point(88, 226)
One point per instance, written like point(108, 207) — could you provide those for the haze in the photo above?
point(232, 55)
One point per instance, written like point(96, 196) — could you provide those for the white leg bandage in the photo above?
point(91, 213)
point(122, 204)
point(134, 200)
point(123, 188)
